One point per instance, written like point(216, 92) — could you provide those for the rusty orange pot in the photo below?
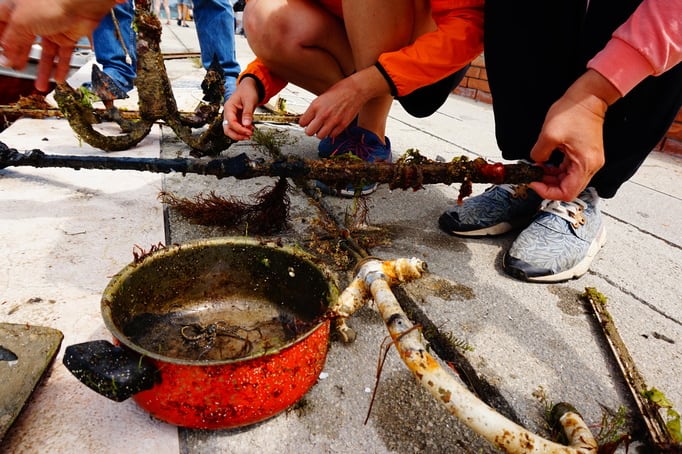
point(214, 334)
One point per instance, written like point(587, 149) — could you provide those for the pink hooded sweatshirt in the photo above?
point(649, 43)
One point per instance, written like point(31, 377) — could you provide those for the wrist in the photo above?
point(391, 86)
point(592, 83)
point(250, 80)
point(594, 92)
point(370, 83)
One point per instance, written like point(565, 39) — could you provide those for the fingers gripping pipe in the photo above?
point(374, 279)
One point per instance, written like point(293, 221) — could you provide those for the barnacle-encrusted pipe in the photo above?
point(497, 429)
point(357, 293)
point(332, 171)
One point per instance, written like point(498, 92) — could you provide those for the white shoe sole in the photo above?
point(581, 267)
point(495, 230)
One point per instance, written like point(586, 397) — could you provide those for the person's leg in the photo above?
point(554, 54)
point(530, 59)
point(564, 237)
point(556, 47)
point(182, 13)
point(373, 29)
point(531, 48)
point(300, 41)
point(190, 10)
point(530, 52)
point(157, 9)
point(215, 29)
point(117, 61)
point(166, 9)
point(318, 39)
point(305, 44)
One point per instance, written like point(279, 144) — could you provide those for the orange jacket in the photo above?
point(430, 58)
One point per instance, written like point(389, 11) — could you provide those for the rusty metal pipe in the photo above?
point(332, 172)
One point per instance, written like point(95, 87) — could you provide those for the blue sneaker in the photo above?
point(327, 145)
point(365, 145)
point(496, 211)
point(560, 243)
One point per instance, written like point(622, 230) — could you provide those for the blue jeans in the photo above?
point(109, 51)
point(215, 29)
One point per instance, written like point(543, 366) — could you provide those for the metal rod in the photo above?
point(335, 172)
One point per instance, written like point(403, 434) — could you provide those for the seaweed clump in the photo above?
point(267, 215)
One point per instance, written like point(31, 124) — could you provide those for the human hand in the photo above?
point(331, 112)
point(59, 23)
point(574, 125)
point(238, 110)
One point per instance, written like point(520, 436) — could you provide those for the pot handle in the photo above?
point(112, 371)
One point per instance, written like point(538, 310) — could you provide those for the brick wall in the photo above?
point(672, 142)
point(475, 86)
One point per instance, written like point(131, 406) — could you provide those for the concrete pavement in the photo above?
point(65, 233)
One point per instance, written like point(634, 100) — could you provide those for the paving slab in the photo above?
point(26, 352)
point(66, 232)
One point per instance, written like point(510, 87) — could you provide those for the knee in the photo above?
point(269, 33)
point(251, 24)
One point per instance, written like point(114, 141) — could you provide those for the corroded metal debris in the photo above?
point(156, 100)
point(34, 106)
point(26, 354)
point(404, 174)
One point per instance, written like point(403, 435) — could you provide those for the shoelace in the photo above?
point(338, 141)
point(570, 211)
point(356, 147)
point(516, 190)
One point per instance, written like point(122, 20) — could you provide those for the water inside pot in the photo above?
point(216, 300)
point(228, 328)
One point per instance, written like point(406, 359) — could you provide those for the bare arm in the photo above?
point(574, 125)
point(648, 43)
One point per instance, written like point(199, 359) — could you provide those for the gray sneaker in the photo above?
point(560, 243)
point(494, 212)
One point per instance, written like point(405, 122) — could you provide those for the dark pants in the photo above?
point(535, 49)
point(425, 101)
